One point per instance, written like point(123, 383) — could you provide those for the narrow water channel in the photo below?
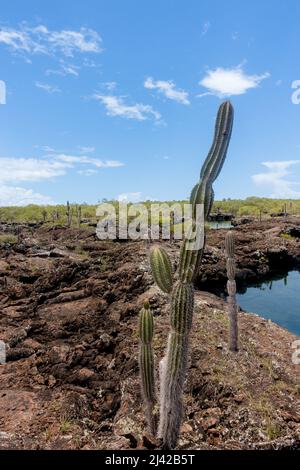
point(277, 299)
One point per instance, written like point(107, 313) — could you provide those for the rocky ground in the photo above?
point(69, 309)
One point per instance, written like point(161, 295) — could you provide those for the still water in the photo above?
point(278, 300)
point(219, 225)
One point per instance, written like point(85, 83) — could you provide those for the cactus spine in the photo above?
point(231, 289)
point(146, 360)
point(174, 365)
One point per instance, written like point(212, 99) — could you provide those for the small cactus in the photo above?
point(146, 360)
point(161, 269)
point(231, 289)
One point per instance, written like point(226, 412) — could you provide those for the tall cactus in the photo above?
point(231, 289)
point(174, 365)
point(146, 360)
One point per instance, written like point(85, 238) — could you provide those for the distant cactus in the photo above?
point(44, 215)
point(78, 213)
point(173, 366)
point(146, 360)
point(231, 289)
point(69, 214)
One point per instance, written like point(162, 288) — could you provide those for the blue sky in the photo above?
point(108, 99)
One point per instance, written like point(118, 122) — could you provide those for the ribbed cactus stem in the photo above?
point(146, 360)
point(231, 289)
point(229, 245)
point(217, 154)
point(161, 268)
point(230, 267)
point(173, 367)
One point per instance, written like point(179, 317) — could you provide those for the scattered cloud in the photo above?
point(227, 82)
point(40, 40)
point(64, 70)
point(87, 172)
point(46, 148)
point(130, 197)
point(109, 85)
point(115, 106)
point(235, 36)
point(86, 149)
point(73, 159)
point(48, 88)
point(205, 28)
point(89, 63)
point(168, 89)
point(275, 178)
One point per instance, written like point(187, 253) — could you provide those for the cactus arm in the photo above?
point(217, 154)
point(161, 269)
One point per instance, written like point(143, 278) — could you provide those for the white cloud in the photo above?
point(15, 196)
point(38, 169)
point(275, 178)
point(29, 170)
point(41, 40)
point(205, 27)
point(130, 197)
point(227, 82)
point(115, 106)
point(48, 88)
point(168, 89)
point(17, 40)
